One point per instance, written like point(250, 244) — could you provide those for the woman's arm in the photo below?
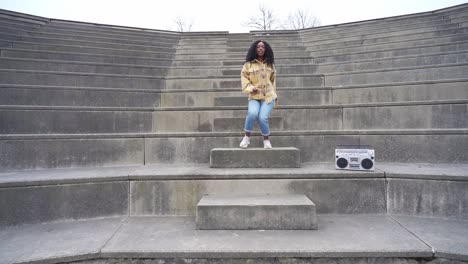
point(247, 86)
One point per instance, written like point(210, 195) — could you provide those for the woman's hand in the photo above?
point(254, 90)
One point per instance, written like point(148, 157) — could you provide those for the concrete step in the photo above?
point(173, 239)
point(20, 152)
point(235, 55)
point(78, 79)
point(276, 48)
point(401, 92)
point(106, 39)
point(401, 115)
point(385, 31)
point(14, 23)
point(384, 25)
point(67, 66)
point(235, 70)
point(77, 96)
point(6, 38)
point(204, 82)
point(52, 121)
point(381, 38)
point(4, 30)
point(279, 61)
point(420, 43)
point(407, 74)
point(396, 62)
point(389, 53)
point(83, 57)
point(99, 44)
point(97, 51)
point(234, 97)
point(277, 157)
point(101, 29)
point(277, 212)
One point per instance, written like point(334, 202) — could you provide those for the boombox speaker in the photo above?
point(354, 158)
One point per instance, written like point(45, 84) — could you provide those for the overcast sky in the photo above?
point(216, 15)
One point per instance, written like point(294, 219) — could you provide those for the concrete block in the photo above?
point(66, 35)
point(398, 75)
point(277, 157)
point(82, 57)
point(388, 46)
point(205, 82)
point(331, 196)
point(80, 49)
point(428, 116)
point(55, 39)
point(52, 96)
point(419, 148)
point(62, 66)
point(326, 118)
point(402, 93)
point(433, 198)
point(370, 54)
point(57, 153)
point(395, 62)
point(93, 30)
point(73, 121)
point(278, 212)
point(37, 204)
point(80, 79)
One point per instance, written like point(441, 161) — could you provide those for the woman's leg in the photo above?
point(263, 118)
point(252, 116)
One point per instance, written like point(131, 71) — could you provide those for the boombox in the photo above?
point(354, 159)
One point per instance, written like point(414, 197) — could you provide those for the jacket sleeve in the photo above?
point(247, 86)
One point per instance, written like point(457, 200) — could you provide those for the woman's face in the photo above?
point(260, 49)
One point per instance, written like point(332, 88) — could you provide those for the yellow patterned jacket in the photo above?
point(262, 76)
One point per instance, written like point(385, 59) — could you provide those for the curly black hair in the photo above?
point(252, 53)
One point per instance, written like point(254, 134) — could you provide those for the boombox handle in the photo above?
point(354, 146)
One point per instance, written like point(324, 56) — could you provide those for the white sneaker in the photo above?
point(245, 142)
point(267, 144)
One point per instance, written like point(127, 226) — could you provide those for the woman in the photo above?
point(258, 78)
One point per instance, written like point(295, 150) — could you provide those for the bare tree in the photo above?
point(266, 20)
point(183, 25)
point(301, 19)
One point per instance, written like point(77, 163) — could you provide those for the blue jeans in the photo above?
point(259, 110)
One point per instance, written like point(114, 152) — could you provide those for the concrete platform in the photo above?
point(244, 212)
point(349, 238)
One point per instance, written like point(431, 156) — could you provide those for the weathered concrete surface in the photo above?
point(255, 158)
point(180, 197)
point(338, 236)
point(56, 242)
point(448, 237)
point(277, 212)
point(22, 205)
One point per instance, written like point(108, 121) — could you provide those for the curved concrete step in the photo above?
point(83, 57)
point(94, 50)
point(419, 43)
point(21, 152)
point(391, 75)
point(71, 66)
point(80, 79)
point(395, 62)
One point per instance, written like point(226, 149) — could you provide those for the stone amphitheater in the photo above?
point(109, 134)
